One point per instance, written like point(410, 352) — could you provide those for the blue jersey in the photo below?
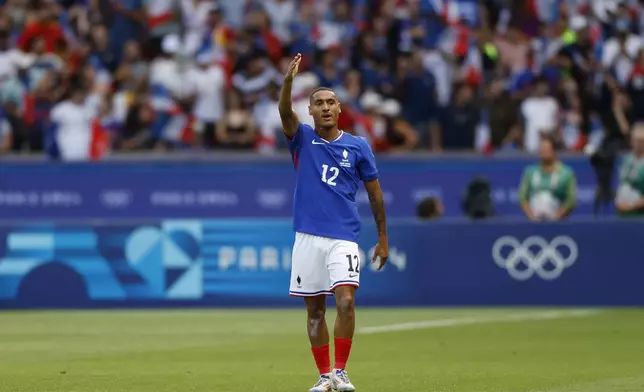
point(328, 178)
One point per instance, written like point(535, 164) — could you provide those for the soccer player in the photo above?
point(330, 165)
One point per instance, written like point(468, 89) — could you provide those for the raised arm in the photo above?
point(290, 122)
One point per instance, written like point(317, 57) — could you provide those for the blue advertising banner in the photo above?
point(261, 189)
point(247, 263)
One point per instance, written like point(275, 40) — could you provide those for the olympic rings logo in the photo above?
point(535, 256)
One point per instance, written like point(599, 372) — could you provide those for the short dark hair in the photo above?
point(428, 208)
point(554, 142)
point(317, 90)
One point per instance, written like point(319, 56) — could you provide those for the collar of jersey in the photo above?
point(332, 141)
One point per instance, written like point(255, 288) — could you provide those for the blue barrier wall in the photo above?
point(233, 188)
point(247, 262)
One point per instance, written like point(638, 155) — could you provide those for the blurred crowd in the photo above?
point(81, 78)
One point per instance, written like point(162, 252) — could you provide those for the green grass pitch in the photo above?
point(417, 350)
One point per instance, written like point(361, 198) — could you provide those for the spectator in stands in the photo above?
point(540, 116)
point(196, 15)
point(220, 40)
point(502, 116)
point(387, 129)
point(11, 59)
point(629, 199)
point(44, 25)
point(162, 20)
point(237, 129)
point(41, 63)
point(303, 33)
point(257, 74)
point(459, 131)
point(132, 64)
point(583, 64)
point(400, 135)
point(38, 106)
point(328, 72)
point(207, 83)
point(350, 90)
point(6, 133)
point(370, 124)
point(282, 15)
point(269, 123)
point(513, 50)
point(137, 128)
point(620, 50)
point(548, 190)
point(12, 91)
point(164, 70)
point(416, 91)
point(303, 86)
point(258, 27)
point(102, 56)
point(127, 23)
point(69, 135)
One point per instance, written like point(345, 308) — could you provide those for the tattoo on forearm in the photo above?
point(378, 209)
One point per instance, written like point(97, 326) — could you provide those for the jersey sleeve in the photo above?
point(367, 165)
point(298, 138)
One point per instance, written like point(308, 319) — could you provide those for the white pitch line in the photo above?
point(454, 322)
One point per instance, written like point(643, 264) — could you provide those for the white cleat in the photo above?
point(341, 382)
point(324, 384)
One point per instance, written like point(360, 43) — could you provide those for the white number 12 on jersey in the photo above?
point(334, 174)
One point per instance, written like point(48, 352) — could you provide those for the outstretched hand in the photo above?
point(293, 67)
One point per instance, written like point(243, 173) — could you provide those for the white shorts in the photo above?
point(321, 264)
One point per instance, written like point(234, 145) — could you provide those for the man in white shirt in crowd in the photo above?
point(619, 52)
point(195, 17)
point(69, 134)
point(206, 83)
point(165, 69)
point(11, 58)
point(282, 14)
point(540, 115)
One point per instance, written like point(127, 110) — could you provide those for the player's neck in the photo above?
point(328, 134)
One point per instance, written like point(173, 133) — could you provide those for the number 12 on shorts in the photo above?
point(353, 261)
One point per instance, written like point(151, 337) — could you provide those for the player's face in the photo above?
point(325, 109)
